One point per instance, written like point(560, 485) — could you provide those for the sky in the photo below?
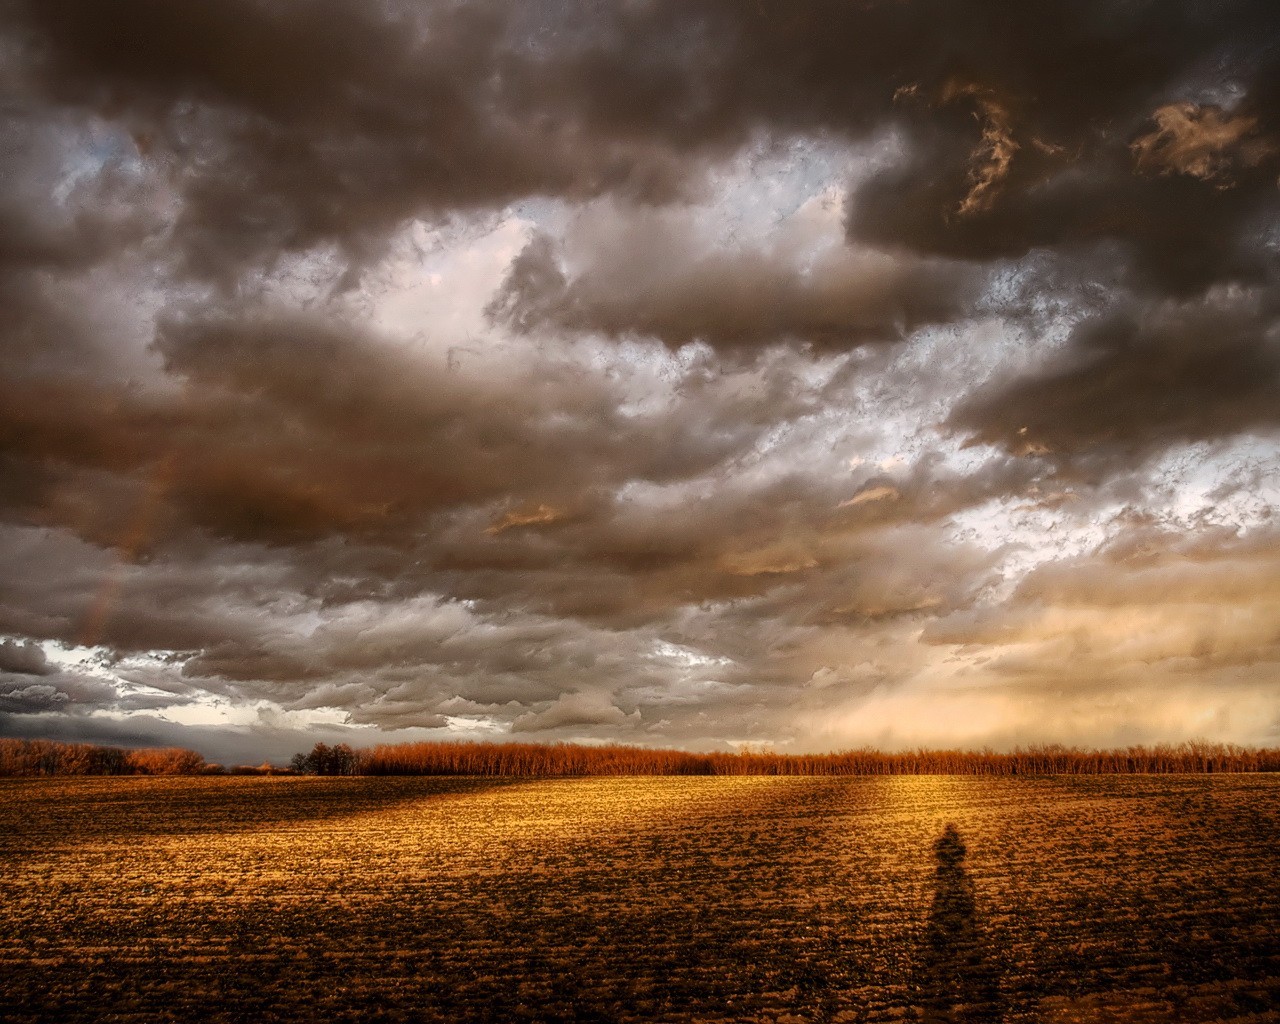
point(683, 373)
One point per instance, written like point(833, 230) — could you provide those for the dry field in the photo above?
point(628, 899)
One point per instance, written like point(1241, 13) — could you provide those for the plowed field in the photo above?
point(641, 899)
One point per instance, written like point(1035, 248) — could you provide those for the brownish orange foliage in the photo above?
point(535, 759)
point(48, 757)
point(165, 761)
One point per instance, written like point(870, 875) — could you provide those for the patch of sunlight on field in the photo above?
point(641, 899)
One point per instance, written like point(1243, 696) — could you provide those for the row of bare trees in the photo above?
point(528, 759)
point(532, 759)
point(48, 757)
point(326, 760)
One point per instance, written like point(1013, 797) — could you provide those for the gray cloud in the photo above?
point(32, 686)
point(1138, 379)
point(575, 710)
point(287, 428)
point(658, 278)
point(23, 658)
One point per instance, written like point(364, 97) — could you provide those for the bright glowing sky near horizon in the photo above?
point(674, 372)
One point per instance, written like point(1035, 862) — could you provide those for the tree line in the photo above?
point(569, 759)
point(48, 757)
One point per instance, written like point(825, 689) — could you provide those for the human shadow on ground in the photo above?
point(957, 979)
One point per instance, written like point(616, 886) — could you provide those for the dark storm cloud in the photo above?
point(707, 539)
point(1134, 148)
point(1160, 228)
point(96, 215)
point(661, 279)
point(292, 127)
point(55, 586)
point(288, 428)
point(575, 709)
point(21, 696)
point(1055, 131)
point(18, 658)
point(285, 128)
point(419, 663)
point(31, 685)
point(1138, 379)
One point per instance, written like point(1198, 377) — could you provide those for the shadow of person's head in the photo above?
point(949, 848)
